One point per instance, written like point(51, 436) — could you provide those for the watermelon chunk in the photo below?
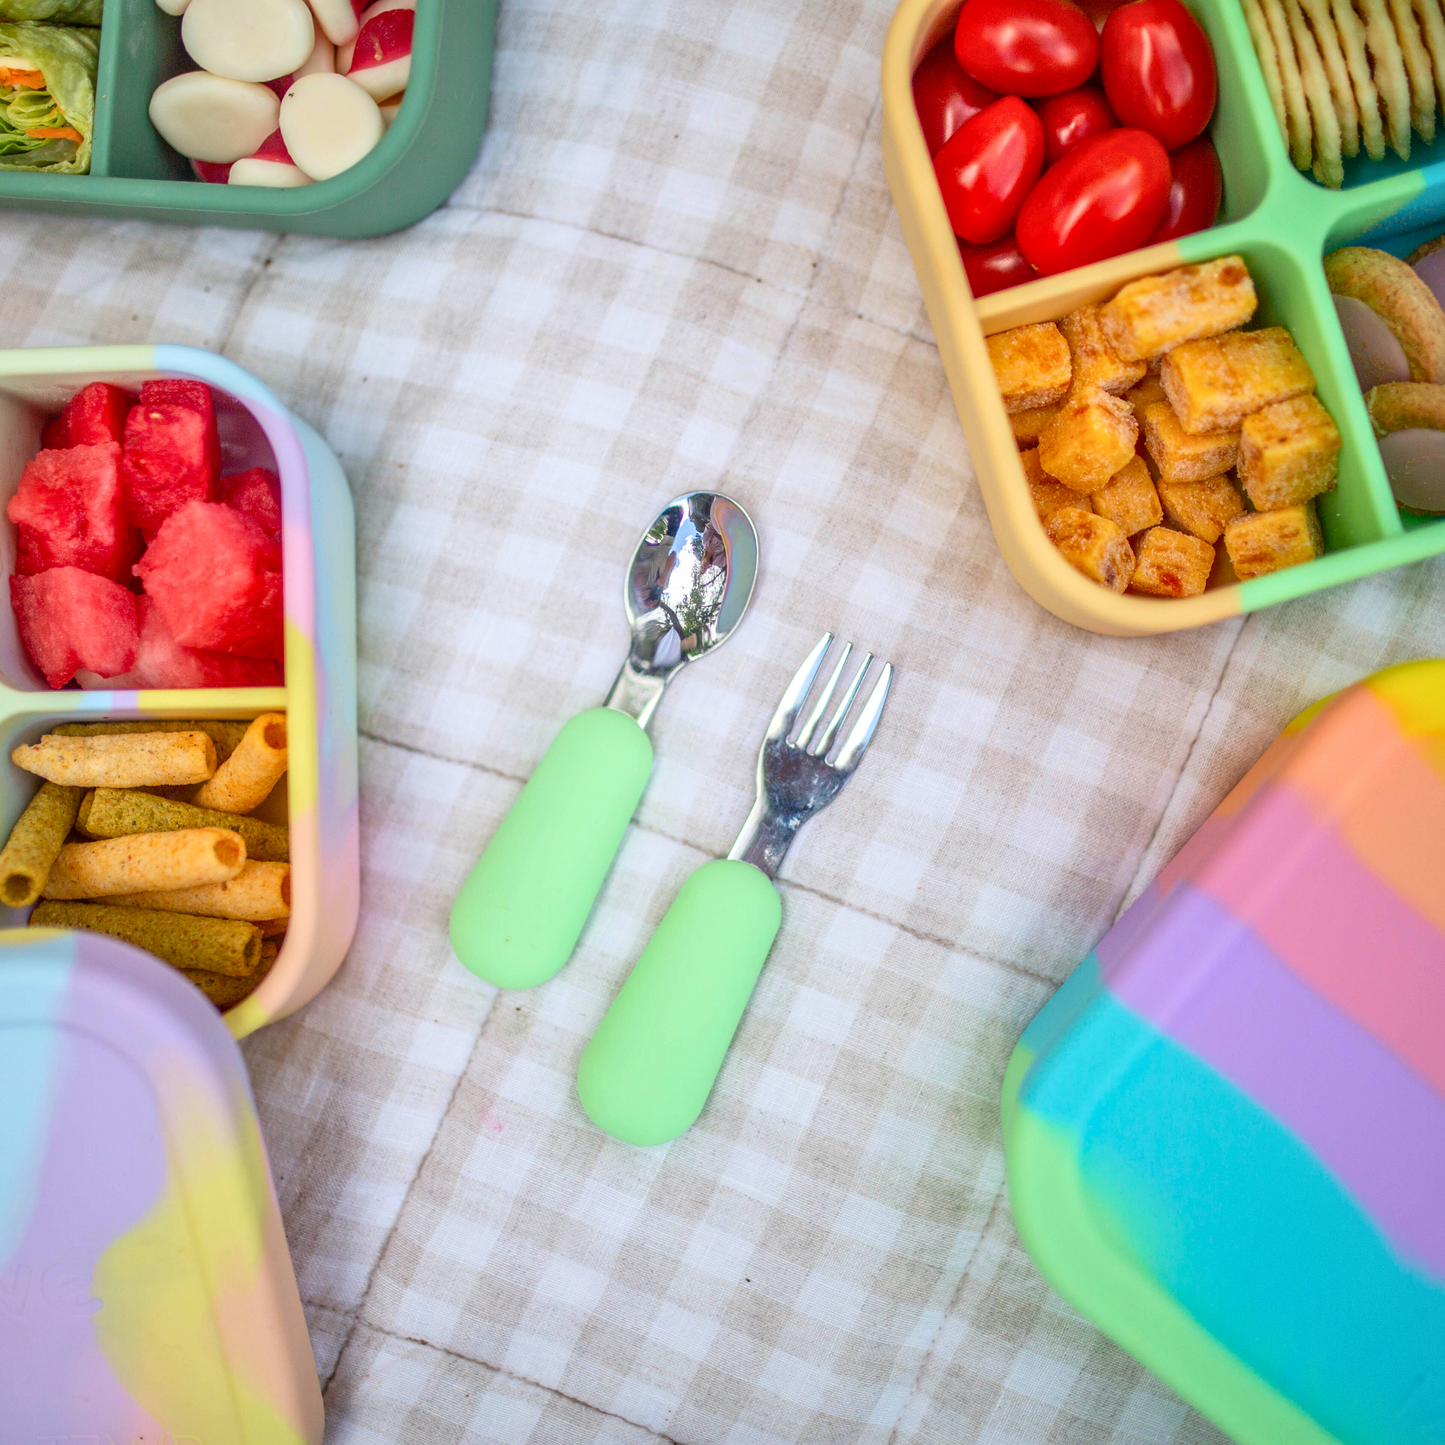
point(172, 453)
point(96, 413)
point(257, 494)
point(55, 436)
point(161, 661)
point(211, 571)
point(70, 619)
point(68, 509)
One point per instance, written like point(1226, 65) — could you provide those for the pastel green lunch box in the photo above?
point(420, 161)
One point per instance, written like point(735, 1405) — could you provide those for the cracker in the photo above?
point(1296, 108)
point(1031, 364)
point(1329, 164)
point(1432, 31)
point(1268, 63)
point(1328, 40)
point(1389, 72)
point(1092, 437)
point(1352, 43)
point(1203, 509)
point(1172, 564)
point(1406, 406)
point(1094, 546)
point(1417, 69)
point(1392, 290)
point(1263, 542)
point(1095, 361)
point(1028, 424)
point(1129, 500)
point(1048, 495)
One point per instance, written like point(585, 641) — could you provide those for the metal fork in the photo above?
point(649, 1068)
point(795, 778)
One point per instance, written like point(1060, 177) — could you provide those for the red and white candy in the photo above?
point(270, 166)
point(328, 124)
point(379, 59)
point(248, 39)
point(212, 118)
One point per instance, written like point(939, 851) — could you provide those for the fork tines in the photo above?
point(808, 737)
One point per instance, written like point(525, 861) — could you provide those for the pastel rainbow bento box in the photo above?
point(146, 1293)
point(1278, 220)
point(1225, 1134)
point(319, 696)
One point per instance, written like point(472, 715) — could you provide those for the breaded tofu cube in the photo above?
point(1172, 564)
point(1264, 542)
point(1129, 498)
point(1213, 385)
point(1203, 509)
point(1032, 365)
point(1028, 424)
point(1049, 495)
point(1179, 456)
point(1096, 363)
point(1149, 316)
point(1150, 390)
point(1094, 546)
point(1288, 453)
point(1090, 439)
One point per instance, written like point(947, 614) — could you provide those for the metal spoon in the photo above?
point(520, 912)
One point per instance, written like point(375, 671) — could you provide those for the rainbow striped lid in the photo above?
point(146, 1293)
point(1226, 1132)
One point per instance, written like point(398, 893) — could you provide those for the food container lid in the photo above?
point(1226, 1132)
point(146, 1293)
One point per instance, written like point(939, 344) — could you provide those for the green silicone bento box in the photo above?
point(418, 164)
point(1280, 221)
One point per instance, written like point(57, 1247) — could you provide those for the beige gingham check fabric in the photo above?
point(676, 265)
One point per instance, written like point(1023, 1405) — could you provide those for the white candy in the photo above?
point(337, 18)
point(173, 7)
point(255, 171)
point(329, 123)
point(210, 118)
point(389, 109)
point(321, 61)
point(248, 39)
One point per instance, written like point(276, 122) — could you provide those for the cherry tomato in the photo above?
point(1103, 197)
point(987, 168)
point(1194, 193)
point(996, 266)
point(945, 96)
point(1073, 116)
point(1026, 47)
point(1158, 70)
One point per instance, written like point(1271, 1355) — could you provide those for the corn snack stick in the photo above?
point(127, 760)
point(35, 842)
point(248, 775)
point(259, 893)
point(272, 927)
point(146, 862)
point(114, 812)
point(224, 732)
point(217, 945)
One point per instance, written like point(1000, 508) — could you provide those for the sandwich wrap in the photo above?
point(47, 96)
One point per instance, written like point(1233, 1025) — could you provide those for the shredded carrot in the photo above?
point(54, 132)
point(29, 79)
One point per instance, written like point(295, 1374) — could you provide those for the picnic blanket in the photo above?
point(676, 265)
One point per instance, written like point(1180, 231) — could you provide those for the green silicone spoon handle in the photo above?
point(520, 912)
point(651, 1064)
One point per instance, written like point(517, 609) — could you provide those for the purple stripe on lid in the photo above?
point(1204, 979)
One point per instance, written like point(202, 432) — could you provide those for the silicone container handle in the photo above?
point(520, 912)
point(652, 1063)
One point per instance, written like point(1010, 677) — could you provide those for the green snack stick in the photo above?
point(649, 1068)
point(35, 843)
point(226, 733)
point(118, 812)
point(212, 945)
point(520, 912)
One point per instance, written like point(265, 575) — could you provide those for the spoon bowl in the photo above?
point(688, 585)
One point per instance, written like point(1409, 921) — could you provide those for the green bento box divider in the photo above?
point(140, 46)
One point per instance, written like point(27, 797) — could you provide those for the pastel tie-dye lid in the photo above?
point(1226, 1132)
point(146, 1293)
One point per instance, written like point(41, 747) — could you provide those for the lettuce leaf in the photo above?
point(67, 59)
point(58, 12)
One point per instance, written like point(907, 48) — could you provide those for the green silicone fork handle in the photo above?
point(520, 913)
point(653, 1060)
